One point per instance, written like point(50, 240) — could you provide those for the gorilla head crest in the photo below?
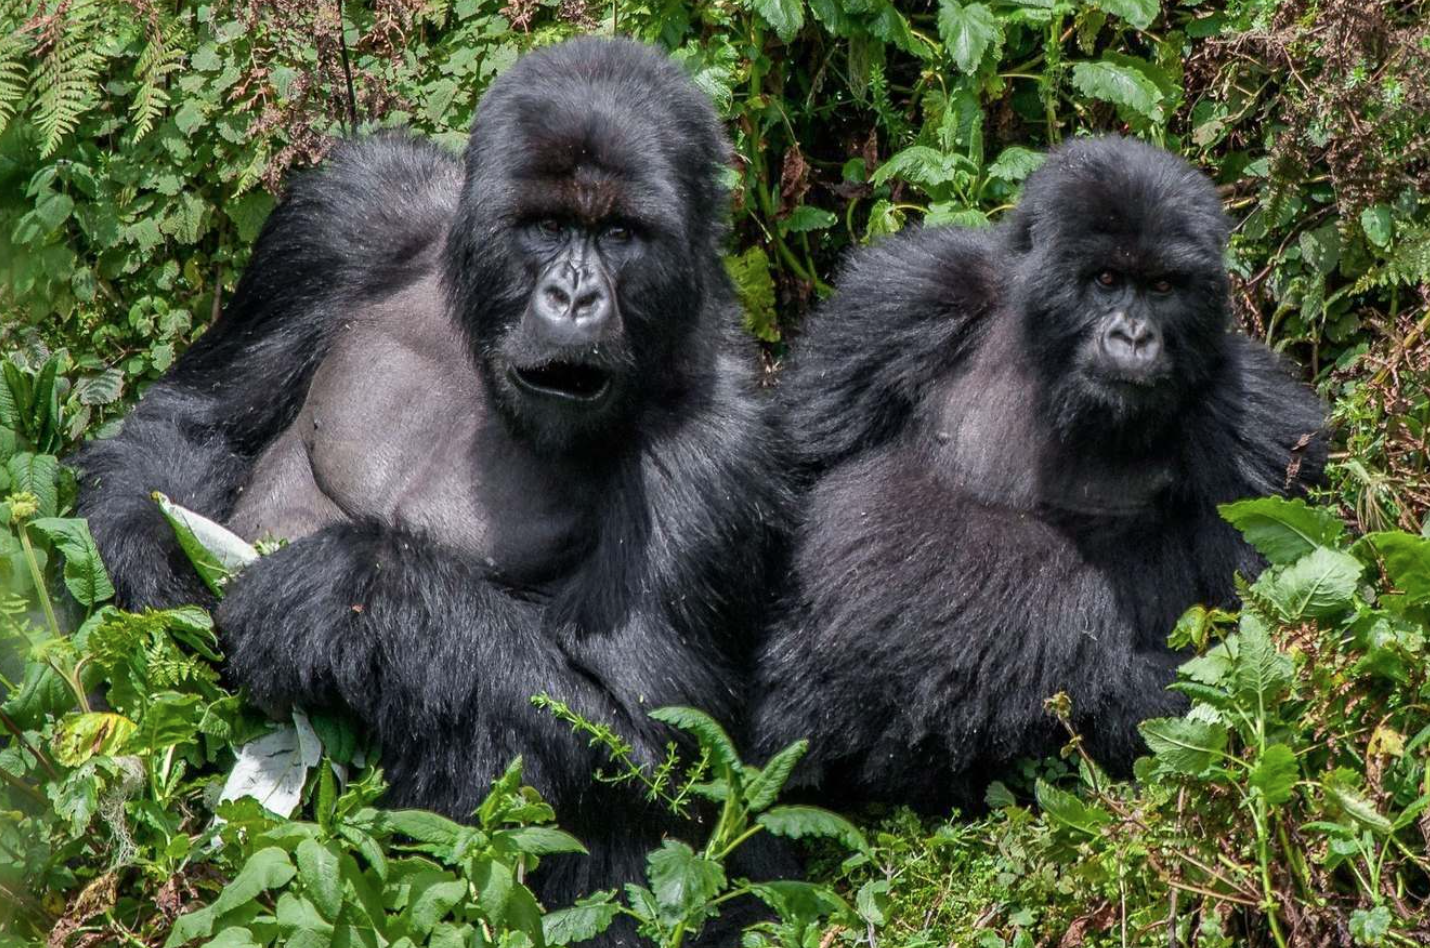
point(1121, 284)
point(591, 197)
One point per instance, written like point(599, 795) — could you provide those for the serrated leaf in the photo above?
point(542, 840)
point(1317, 585)
point(36, 474)
point(1378, 225)
point(82, 736)
point(786, 17)
point(918, 164)
point(84, 575)
point(1119, 85)
point(1139, 13)
point(1321, 248)
point(318, 871)
point(1275, 774)
point(1283, 530)
point(798, 822)
point(750, 272)
point(1183, 745)
point(217, 553)
point(582, 921)
point(1355, 805)
point(705, 729)
point(1406, 558)
point(805, 218)
point(1259, 674)
point(968, 30)
point(1066, 809)
point(1015, 163)
point(764, 786)
point(682, 880)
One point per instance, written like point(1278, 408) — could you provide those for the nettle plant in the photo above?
point(145, 802)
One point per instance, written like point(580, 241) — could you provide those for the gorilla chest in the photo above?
point(397, 428)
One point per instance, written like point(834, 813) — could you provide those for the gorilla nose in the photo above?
point(573, 307)
point(1132, 344)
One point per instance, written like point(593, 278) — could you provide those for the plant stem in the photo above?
point(39, 580)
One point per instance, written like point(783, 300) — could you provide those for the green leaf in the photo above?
point(1139, 13)
point(81, 736)
point(1068, 810)
point(53, 209)
point(1371, 926)
point(706, 730)
point(762, 787)
point(805, 218)
point(420, 825)
point(1015, 163)
point(682, 880)
point(434, 901)
point(217, 553)
point(1378, 225)
point(541, 840)
point(39, 475)
point(248, 214)
point(785, 16)
point(750, 272)
point(1260, 674)
point(1315, 586)
point(318, 871)
point(1119, 85)
point(1284, 530)
point(582, 921)
point(101, 389)
point(85, 576)
point(1355, 805)
point(1406, 558)
point(918, 164)
point(872, 902)
point(797, 822)
point(967, 31)
point(1321, 248)
point(1184, 745)
point(1275, 774)
point(267, 869)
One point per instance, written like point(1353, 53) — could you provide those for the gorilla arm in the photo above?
point(338, 236)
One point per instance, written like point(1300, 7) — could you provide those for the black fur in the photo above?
point(994, 518)
point(650, 580)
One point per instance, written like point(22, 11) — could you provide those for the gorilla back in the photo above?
point(501, 415)
point(1017, 441)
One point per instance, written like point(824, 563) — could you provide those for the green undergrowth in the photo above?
point(1287, 807)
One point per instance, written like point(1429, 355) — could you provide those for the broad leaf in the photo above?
point(318, 871)
point(1184, 745)
point(705, 729)
point(85, 576)
point(1139, 13)
point(763, 787)
point(682, 880)
point(80, 737)
point(1406, 558)
point(1283, 530)
point(582, 921)
point(785, 16)
point(967, 31)
point(1260, 674)
point(273, 768)
point(1119, 85)
point(1068, 810)
point(797, 822)
point(1318, 585)
point(1275, 774)
point(217, 553)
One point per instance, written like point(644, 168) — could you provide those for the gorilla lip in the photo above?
point(572, 381)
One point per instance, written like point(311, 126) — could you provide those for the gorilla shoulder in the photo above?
point(907, 307)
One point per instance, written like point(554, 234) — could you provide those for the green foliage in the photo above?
point(1288, 804)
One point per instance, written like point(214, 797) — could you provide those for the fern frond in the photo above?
point(67, 82)
point(15, 46)
point(1407, 265)
point(158, 60)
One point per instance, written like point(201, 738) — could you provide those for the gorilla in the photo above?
point(1016, 441)
point(503, 414)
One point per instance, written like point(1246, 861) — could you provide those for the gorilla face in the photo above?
point(586, 238)
point(1121, 284)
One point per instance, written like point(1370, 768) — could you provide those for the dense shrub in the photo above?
point(142, 144)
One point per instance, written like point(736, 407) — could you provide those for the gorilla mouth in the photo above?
point(572, 381)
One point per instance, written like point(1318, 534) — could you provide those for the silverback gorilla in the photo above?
point(503, 414)
point(1018, 439)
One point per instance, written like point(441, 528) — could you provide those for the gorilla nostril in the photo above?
point(556, 298)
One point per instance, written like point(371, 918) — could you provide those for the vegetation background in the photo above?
point(142, 144)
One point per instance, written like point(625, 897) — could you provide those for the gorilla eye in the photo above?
point(1162, 286)
point(617, 232)
point(1107, 278)
point(549, 227)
